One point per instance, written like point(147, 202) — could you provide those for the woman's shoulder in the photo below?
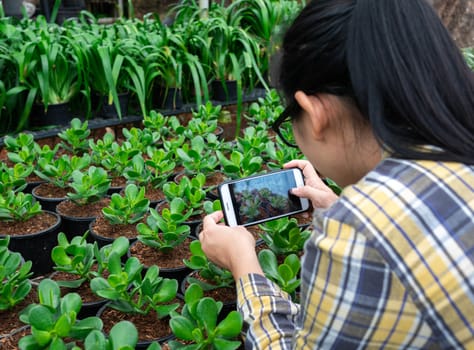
point(399, 193)
point(409, 179)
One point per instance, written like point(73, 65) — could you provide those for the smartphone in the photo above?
point(256, 199)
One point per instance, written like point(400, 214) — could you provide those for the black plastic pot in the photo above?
point(168, 98)
point(56, 114)
point(47, 203)
point(224, 91)
point(37, 246)
point(105, 110)
point(178, 273)
point(31, 185)
point(227, 306)
point(12, 7)
point(101, 240)
point(193, 224)
point(74, 226)
point(89, 308)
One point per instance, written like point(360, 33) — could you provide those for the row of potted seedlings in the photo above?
point(98, 69)
point(130, 270)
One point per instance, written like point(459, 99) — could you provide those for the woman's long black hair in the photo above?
point(398, 62)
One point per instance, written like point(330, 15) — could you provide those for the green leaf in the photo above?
point(71, 302)
point(49, 293)
point(182, 328)
point(224, 344)
point(268, 261)
point(114, 263)
point(95, 340)
point(63, 325)
point(123, 334)
point(231, 326)
point(41, 318)
point(293, 261)
point(28, 342)
point(193, 293)
point(207, 313)
point(82, 328)
point(42, 337)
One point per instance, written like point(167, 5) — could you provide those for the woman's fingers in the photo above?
point(212, 219)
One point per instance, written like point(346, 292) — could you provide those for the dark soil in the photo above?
point(149, 256)
point(72, 209)
point(48, 190)
point(83, 290)
point(102, 227)
point(35, 224)
point(227, 295)
point(149, 327)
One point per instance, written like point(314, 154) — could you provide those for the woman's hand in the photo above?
point(320, 195)
point(232, 248)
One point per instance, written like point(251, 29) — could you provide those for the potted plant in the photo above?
point(84, 202)
point(191, 190)
point(144, 299)
point(216, 282)
point(284, 236)
point(198, 325)
point(15, 286)
point(14, 276)
point(141, 139)
point(14, 178)
point(262, 20)
point(77, 262)
point(50, 68)
point(108, 77)
point(238, 165)
point(233, 55)
point(285, 275)
point(196, 157)
point(23, 149)
point(115, 158)
point(32, 230)
point(75, 139)
point(121, 216)
point(174, 62)
point(57, 175)
point(53, 320)
point(164, 240)
point(150, 174)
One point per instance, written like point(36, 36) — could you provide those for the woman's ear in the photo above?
point(315, 111)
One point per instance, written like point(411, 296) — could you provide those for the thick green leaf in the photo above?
point(71, 302)
point(123, 334)
point(231, 326)
point(41, 318)
point(49, 293)
point(207, 313)
point(193, 293)
point(182, 328)
point(95, 340)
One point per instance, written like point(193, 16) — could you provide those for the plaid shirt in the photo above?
point(389, 266)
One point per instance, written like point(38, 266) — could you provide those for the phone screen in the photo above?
point(258, 198)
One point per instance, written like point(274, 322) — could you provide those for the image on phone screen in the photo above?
point(256, 199)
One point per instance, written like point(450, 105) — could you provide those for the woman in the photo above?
point(382, 102)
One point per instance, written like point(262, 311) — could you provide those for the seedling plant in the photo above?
point(166, 230)
point(53, 321)
point(197, 326)
point(215, 276)
point(15, 284)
